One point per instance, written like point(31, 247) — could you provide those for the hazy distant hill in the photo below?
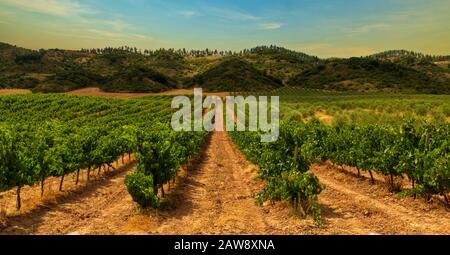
point(405, 54)
point(128, 69)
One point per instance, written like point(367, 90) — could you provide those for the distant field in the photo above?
point(362, 108)
point(329, 107)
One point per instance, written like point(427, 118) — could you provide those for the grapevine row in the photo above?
point(284, 165)
point(44, 136)
point(419, 153)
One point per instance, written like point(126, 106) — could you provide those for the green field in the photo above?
point(362, 108)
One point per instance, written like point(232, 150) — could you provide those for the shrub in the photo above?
point(140, 187)
point(301, 189)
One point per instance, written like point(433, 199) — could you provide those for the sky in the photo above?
point(324, 28)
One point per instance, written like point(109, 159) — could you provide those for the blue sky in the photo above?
point(325, 28)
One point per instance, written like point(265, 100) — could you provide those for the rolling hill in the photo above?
point(139, 79)
point(279, 62)
point(234, 75)
point(369, 74)
point(127, 69)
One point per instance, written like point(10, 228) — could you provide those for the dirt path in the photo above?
point(215, 198)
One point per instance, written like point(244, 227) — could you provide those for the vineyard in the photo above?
point(399, 136)
point(52, 136)
point(225, 118)
point(419, 154)
point(412, 149)
point(199, 182)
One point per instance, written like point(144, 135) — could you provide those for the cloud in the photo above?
point(142, 37)
point(104, 33)
point(62, 8)
point(370, 27)
point(117, 25)
point(231, 15)
point(270, 26)
point(115, 35)
point(187, 14)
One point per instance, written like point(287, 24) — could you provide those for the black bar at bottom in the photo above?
point(234, 245)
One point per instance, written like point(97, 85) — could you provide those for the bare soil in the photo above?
point(57, 211)
point(360, 207)
point(14, 91)
point(99, 93)
point(96, 92)
point(324, 117)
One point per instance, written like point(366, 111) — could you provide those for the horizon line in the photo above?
point(234, 51)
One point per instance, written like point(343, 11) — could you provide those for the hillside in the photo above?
point(368, 74)
point(8, 53)
point(116, 70)
point(405, 54)
point(279, 62)
point(127, 69)
point(436, 67)
point(139, 79)
point(234, 75)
